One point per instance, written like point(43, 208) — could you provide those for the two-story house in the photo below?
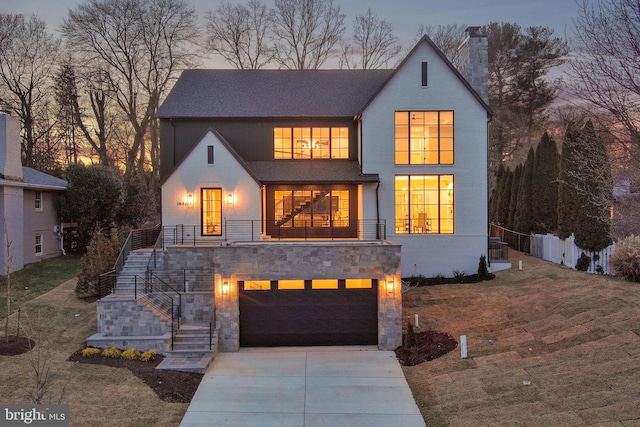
point(309, 193)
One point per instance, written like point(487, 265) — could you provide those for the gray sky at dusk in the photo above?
point(404, 15)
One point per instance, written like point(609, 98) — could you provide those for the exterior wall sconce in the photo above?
point(187, 200)
point(230, 198)
point(225, 287)
point(390, 286)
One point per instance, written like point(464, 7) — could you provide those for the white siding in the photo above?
point(431, 254)
point(194, 173)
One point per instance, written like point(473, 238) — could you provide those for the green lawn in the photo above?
point(36, 279)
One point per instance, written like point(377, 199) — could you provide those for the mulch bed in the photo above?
point(441, 280)
point(170, 386)
point(15, 345)
point(430, 345)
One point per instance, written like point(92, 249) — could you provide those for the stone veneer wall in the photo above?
point(296, 260)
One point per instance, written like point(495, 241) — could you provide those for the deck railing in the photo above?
point(257, 230)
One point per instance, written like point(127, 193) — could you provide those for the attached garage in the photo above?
point(308, 312)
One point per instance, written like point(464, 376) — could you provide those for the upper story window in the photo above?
point(424, 137)
point(311, 143)
point(38, 203)
point(211, 214)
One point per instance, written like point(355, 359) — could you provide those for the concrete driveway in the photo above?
point(307, 386)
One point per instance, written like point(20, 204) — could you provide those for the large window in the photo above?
point(312, 208)
point(211, 211)
point(424, 137)
point(424, 204)
point(311, 143)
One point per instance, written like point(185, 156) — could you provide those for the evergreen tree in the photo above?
point(585, 194)
point(505, 197)
point(568, 201)
point(523, 215)
point(545, 186)
point(494, 202)
point(513, 197)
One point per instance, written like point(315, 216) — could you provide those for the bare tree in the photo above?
point(447, 37)
point(27, 60)
point(141, 45)
point(239, 33)
point(375, 43)
point(605, 66)
point(305, 32)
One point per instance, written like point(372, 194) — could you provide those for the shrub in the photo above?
point(112, 352)
point(91, 352)
point(439, 278)
point(410, 338)
point(483, 271)
point(583, 262)
point(626, 259)
point(148, 355)
point(100, 256)
point(131, 354)
point(459, 276)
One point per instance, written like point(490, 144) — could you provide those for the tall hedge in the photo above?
point(545, 186)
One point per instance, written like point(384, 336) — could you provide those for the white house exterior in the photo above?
point(308, 194)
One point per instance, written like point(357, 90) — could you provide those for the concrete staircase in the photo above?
point(193, 349)
point(133, 270)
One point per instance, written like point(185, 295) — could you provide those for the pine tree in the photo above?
point(545, 186)
point(523, 216)
point(505, 197)
point(585, 193)
point(513, 197)
point(494, 202)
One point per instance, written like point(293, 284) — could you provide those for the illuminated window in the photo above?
point(358, 283)
point(312, 208)
point(424, 137)
point(211, 211)
point(290, 284)
point(424, 204)
point(324, 284)
point(256, 285)
point(310, 143)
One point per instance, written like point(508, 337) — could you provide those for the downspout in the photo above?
point(377, 204)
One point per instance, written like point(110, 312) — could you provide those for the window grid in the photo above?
point(39, 246)
point(424, 137)
point(311, 143)
point(38, 201)
point(424, 204)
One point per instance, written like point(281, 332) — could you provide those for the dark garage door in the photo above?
point(306, 313)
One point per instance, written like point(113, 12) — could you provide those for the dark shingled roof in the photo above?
point(272, 93)
point(309, 171)
point(36, 178)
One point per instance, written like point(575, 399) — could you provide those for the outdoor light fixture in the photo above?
point(230, 198)
point(225, 287)
point(190, 199)
point(390, 286)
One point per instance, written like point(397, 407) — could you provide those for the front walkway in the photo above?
point(306, 386)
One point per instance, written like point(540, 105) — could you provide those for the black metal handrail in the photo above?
point(136, 239)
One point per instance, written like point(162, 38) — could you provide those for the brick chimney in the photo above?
point(474, 64)
point(10, 163)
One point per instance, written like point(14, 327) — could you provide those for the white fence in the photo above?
point(552, 248)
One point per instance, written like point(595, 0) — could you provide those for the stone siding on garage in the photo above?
point(296, 260)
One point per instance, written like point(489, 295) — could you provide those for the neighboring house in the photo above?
point(27, 202)
point(294, 201)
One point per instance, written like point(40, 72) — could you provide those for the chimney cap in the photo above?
point(474, 31)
